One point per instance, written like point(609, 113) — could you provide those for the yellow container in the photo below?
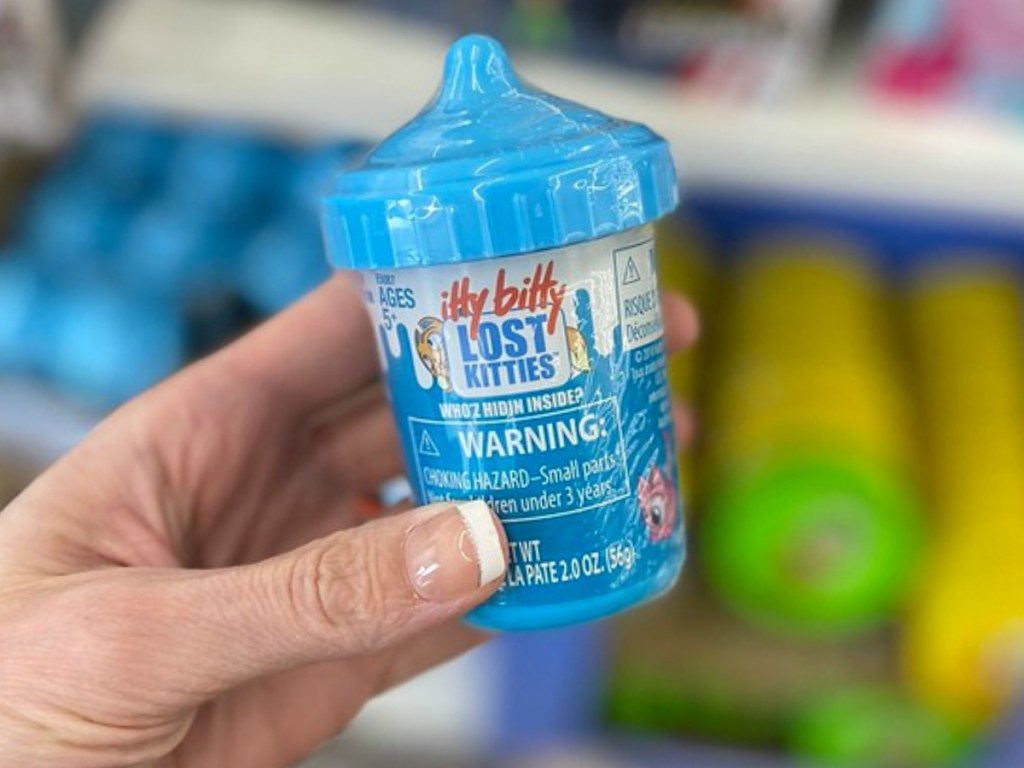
point(811, 524)
point(964, 640)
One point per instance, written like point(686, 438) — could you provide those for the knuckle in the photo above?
point(345, 587)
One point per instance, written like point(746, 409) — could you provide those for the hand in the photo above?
point(191, 586)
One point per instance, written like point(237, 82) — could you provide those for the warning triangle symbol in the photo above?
point(427, 446)
point(632, 273)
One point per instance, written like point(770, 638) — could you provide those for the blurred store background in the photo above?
point(853, 233)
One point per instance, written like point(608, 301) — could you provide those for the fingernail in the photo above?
point(453, 553)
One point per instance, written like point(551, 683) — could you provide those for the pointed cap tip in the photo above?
point(493, 167)
point(476, 67)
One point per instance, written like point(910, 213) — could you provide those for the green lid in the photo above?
point(812, 543)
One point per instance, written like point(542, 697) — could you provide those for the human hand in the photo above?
point(196, 583)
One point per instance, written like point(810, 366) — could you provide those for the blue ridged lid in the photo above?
point(493, 167)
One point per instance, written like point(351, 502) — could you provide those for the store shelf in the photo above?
point(330, 68)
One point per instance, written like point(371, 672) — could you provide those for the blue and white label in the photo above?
point(569, 480)
point(537, 384)
point(513, 353)
point(637, 294)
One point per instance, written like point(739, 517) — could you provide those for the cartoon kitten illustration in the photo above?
point(431, 351)
point(579, 354)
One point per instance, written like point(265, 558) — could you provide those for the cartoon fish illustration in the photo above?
point(579, 354)
point(431, 351)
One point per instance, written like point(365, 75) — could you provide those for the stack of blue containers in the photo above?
point(149, 241)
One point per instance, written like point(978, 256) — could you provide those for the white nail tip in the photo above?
point(490, 555)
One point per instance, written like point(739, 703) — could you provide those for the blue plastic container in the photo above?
point(127, 151)
point(285, 258)
point(282, 263)
point(505, 244)
point(226, 174)
point(314, 171)
point(72, 224)
point(105, 347)
point(24, 315)
point(169, 252)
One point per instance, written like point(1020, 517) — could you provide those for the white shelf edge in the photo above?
point(323, 69)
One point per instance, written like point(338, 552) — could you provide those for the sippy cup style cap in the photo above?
point(494, 167)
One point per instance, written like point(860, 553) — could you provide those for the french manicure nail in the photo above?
point(453, 553)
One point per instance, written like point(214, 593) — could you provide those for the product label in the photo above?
point(537, 384)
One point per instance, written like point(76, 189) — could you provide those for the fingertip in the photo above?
point(456, 553)
point(489, 540)
point(684, 422)
point(681, 320)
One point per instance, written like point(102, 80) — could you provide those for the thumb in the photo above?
point(356, 591)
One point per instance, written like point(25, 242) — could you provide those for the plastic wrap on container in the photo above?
point(507, 258)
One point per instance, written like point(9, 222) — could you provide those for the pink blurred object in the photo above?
point(996, 26)
point(951, 50)
point(926, 72)
point(990, 33)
